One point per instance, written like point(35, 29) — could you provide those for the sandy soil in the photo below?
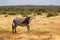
point(30, 36)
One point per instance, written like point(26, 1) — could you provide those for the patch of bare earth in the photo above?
point(30, 36)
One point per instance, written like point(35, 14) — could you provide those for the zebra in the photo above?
point(21, 22)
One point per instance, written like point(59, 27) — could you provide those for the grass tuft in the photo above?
point(24, 29)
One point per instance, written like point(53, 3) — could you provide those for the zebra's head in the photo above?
point(29, 18)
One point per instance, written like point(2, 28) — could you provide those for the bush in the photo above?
point(28, 12)
point(50, 14)
point(4, 13)
point(39, 13)
point(12, 13)
point(24, 14)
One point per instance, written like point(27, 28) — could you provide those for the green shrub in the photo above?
point(12, 13)
point(50, 14)
point(24, 14)
point(28, 12)
point(4, 13)
point(39, 13)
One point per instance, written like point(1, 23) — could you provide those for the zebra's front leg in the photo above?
point(28, 28)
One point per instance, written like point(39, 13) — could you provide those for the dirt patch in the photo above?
point(30, 36)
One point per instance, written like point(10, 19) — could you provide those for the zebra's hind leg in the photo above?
point(14, 28)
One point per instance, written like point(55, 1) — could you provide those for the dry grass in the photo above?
point(30, 36)
point(42, 28)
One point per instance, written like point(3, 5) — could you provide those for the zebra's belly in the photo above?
point(22, 25)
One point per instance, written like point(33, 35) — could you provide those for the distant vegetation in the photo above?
point(29, 9)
